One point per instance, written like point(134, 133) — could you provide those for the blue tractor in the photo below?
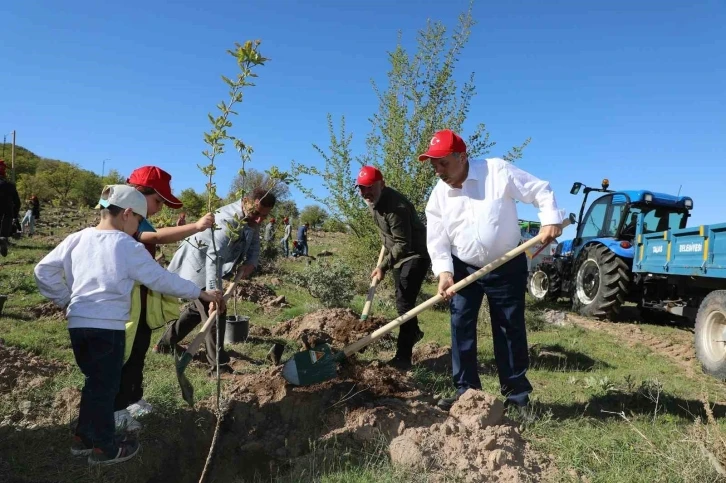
point(595, 269)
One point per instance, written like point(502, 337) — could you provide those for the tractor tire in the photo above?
point(601, 283)
point(544, 283)
point(710, 327)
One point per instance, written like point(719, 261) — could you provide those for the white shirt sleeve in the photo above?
point(526, 188)
point(437, 239)
point(50, 276)
point(143, 269)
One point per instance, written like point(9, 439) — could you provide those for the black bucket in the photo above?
point(237, 329)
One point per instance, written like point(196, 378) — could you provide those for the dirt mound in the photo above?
point(254, 292)
point(48, 310)
point(22, 372)
point(21, 368)
point(337, 326)
point(433, 357)
point(472, 441)
point(299, 430)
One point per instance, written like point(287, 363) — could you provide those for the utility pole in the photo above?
point(103, 169)
point(12, 157)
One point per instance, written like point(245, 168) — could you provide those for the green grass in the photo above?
point(603, 410)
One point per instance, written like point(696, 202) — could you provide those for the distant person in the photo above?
point(182, 220)
point(270, 231)
point(36, 207)
point(97, 268)
point(302, 238)
point(28, 222)
point(9, 208)
point(284, 242)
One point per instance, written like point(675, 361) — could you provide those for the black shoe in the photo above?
point(520, 412)
point(445, 403)
point(223, 369)
point(400, 363)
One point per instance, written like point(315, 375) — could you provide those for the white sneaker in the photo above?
point(139, 408)
point(124, 421)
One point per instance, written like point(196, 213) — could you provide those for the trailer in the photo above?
point(682, 271)
point(634, 246)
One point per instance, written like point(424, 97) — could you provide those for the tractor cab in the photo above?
point(595, 268)
point(617, 217)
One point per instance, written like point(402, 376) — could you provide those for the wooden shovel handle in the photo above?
point(208, 321)
point(372, 288)
point(370, 338)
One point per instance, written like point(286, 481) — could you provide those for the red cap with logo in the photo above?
point(442, 144)
point(159, 180)
point(368, 175)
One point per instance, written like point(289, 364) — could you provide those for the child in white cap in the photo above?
point(91, 275)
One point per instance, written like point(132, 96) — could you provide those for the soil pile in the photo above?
point(472, 442)
point(260, 294)
point(48, 310)
point(21, 368)
point(21, 373)
point(300, 430)
point(338, 327)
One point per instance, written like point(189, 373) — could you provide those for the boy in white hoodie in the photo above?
point(91, 274)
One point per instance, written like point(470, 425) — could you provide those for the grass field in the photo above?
point(608, 408)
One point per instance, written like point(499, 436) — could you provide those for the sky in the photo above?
point(630, 91)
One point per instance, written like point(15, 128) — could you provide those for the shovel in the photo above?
point(319, 364)
point(372, 289)
point(182, 362)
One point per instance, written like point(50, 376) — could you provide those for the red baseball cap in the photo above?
point(368, 175)
point(159, 180)
point(442, 144)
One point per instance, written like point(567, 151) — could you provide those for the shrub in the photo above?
point(332, 283)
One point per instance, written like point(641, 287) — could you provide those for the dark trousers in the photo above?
point(131, 389)
point(408, 279)
point(304, 247)
point(99, 354)
point(504, 288)
point(190, 318)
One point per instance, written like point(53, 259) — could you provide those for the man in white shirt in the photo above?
point(472, 220)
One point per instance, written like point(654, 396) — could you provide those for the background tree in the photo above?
point(286, 208)
point(194, 203)
point(60, 177)
point(315, 215)
point(421, 97)
point(249, 179)
point(114, 177)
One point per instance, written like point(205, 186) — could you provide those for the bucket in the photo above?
point(237, 329)
point(3, 298)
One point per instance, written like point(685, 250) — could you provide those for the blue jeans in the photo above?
point(504, 288)
point(304, 247)
point(284, 244)
point(100, 355)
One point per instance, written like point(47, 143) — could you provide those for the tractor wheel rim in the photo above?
point(588, 281)
point(715, 329)
point(539, 284)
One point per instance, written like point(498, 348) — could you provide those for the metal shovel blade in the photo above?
point(186, 387)
point(313, 366)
